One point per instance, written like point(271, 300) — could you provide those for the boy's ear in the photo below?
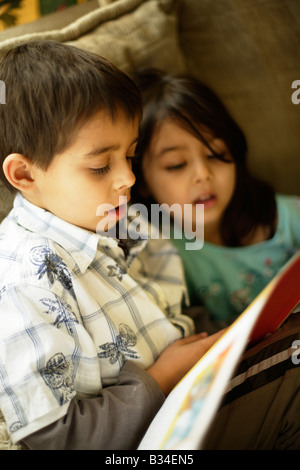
point(18, 171)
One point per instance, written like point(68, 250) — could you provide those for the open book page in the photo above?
point(184, 419)
point(297, 308)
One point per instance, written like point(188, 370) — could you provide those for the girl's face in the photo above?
point(179, 168)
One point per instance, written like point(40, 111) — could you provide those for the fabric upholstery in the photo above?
point(249, 53)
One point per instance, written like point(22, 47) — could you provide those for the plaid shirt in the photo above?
point(73, 309)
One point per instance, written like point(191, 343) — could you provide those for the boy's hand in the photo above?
point(178, 358)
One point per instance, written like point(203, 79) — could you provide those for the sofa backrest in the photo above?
point(249, 53)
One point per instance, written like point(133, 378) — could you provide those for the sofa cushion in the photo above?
point(130, 33)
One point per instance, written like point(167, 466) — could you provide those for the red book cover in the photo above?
point(282, 295)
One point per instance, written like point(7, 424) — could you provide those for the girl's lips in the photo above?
point(207, 200)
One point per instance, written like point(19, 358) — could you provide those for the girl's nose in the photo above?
point(201, 172)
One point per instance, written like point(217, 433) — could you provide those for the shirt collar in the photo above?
point(81, 244)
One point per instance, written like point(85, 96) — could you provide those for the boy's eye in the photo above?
point(176, 167)
point(100, 171)
point(106, 169)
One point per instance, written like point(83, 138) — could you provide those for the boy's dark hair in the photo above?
point(196, 107)
point(51, 90)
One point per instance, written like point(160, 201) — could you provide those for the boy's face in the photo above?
point(94, 170)
point(179, 169)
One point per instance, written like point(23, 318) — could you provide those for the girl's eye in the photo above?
point(217, 156)
point(100, 171)
point(130, 159)
point(223, 157)
point(176, 167)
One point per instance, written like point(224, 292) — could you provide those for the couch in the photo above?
point(247, 51)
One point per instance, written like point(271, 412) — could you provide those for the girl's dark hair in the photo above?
point(51, 90)
point(194, 106)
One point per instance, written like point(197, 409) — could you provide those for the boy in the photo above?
point(90, 331)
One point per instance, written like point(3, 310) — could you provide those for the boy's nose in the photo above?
point(125, 177)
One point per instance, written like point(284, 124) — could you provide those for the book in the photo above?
point(187, 413)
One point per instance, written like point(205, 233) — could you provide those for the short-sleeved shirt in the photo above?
point(226, 279)
point(73, 309)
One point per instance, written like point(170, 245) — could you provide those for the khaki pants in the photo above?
point(261, 411)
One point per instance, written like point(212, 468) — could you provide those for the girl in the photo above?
point(192, 152)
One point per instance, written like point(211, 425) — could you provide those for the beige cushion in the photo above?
point(249, 53)
point(146, 36)
point(130, 33)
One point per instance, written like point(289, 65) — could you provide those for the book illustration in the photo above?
point(181, 428)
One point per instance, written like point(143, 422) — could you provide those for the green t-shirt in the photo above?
point(225, 280)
